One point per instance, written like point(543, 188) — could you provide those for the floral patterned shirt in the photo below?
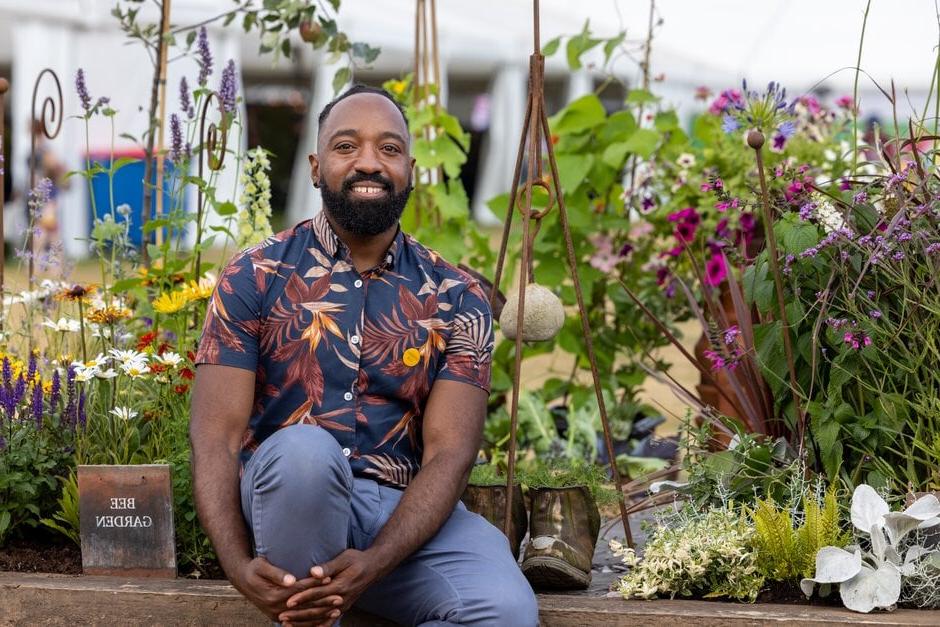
point(356, 353)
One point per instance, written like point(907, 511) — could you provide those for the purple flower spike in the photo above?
point(36, 405)
point(205, 56)
point(176, 139)
point(81, 408)
point(186, 102)
point(56, 390)
point(7, 373)
point(82, 90)
point(228, 89)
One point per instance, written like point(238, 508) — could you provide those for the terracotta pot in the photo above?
point(489, 501)
point(563, 529)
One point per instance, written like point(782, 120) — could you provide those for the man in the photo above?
point(339, 403)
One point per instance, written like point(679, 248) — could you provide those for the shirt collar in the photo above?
point(335, 247)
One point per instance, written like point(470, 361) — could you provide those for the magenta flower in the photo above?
point(715, 270)
point(857, 340)
point(731, 334)
point(845, 102)
point(685, 232)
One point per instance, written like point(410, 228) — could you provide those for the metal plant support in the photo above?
point(531, 146)
point(4, 88)
point(209, 141)
point(48, 115)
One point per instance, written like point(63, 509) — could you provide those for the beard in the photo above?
point(365, 217)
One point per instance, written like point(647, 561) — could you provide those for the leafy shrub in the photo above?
point(787, 547)
point(708, 555)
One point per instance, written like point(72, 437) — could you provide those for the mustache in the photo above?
point(366, 178)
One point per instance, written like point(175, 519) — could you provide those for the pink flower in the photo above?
point(640, 230)
point(702, 93)
point(715, 270)
point(705, 187)
point(685, 232)
point(845, 102)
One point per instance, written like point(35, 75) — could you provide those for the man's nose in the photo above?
point(368, 161)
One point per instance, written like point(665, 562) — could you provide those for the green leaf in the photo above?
point(341, 78)
point(643, 142)
point(794, 234)
point(226, 208)
point(449, 155)
point(572, 170)
point(4, 521)
point(615, 154)
point(666, 121)
point(551, 47)
point(612, 44)
point(121, 162)
point(641, 96)
point(584, 113)
point(619, 127)
point(453, 204)
point(125, 284)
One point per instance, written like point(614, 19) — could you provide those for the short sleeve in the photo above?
point(230, 334)
point(468, 357)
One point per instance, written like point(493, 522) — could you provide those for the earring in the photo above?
point(316, 184)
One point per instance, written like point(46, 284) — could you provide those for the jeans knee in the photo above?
point(301, 453)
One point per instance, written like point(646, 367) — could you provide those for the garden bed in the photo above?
point(47, 599)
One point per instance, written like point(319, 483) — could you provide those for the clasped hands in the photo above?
point(318, 600)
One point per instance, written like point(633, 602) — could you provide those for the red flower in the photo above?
point(157, 368)
point(182, 388)
point(146, 340)
point(186, 373)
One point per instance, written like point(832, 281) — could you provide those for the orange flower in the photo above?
point(77, 292)
point(181, 388)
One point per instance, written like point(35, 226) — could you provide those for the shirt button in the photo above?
point(354, 339)
point(346, 452)
point(358, 283)
point(348, 396)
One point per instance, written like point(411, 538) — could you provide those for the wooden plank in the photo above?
point(40, 599)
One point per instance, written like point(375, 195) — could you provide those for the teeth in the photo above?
point(368, 190)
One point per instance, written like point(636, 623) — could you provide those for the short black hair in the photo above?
point(359, 88)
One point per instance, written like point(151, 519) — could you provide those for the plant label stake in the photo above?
point(535, 130)
point(126, 516)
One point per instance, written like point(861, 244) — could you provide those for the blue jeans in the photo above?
point(304, 507)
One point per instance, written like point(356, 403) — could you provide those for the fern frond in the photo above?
point(775, 540)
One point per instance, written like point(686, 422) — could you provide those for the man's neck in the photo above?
point(366, 251)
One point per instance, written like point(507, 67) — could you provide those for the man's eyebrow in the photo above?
point(354, 133)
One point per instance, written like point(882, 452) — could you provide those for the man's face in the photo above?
point(362, 164)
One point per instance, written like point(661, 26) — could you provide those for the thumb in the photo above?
point(330, 568)
point(277, 576)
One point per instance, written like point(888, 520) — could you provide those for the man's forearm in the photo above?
point(424, 508)
point(216, 491)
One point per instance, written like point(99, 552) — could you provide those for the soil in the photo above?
point(45, 554)
point(41, 555)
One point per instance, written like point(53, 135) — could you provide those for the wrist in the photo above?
point(382, 559)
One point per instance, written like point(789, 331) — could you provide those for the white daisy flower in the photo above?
point(127, 356)
point(124, 413)
point(135, 369)
point(106, 374)
point(64, 325)
point(168, 359)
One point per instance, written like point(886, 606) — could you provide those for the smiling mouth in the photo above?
point(368, 191)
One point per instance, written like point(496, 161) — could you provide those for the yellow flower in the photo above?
point(170, 302)
point(108, 315)
point(398, 87)
point(198, 291)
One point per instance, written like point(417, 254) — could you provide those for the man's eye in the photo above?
point(391, 148)
point(344, 146)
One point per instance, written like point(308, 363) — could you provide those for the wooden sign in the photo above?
point(126, 515)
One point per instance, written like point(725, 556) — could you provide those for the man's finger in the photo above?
point(329, 569)
point(311, 596)
point(308, 615)
point(275, 575)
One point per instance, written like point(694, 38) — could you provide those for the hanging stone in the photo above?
point(544, 314)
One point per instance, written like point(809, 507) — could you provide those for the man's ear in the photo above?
point(314, 169)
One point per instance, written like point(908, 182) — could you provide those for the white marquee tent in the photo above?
point(714, 43)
